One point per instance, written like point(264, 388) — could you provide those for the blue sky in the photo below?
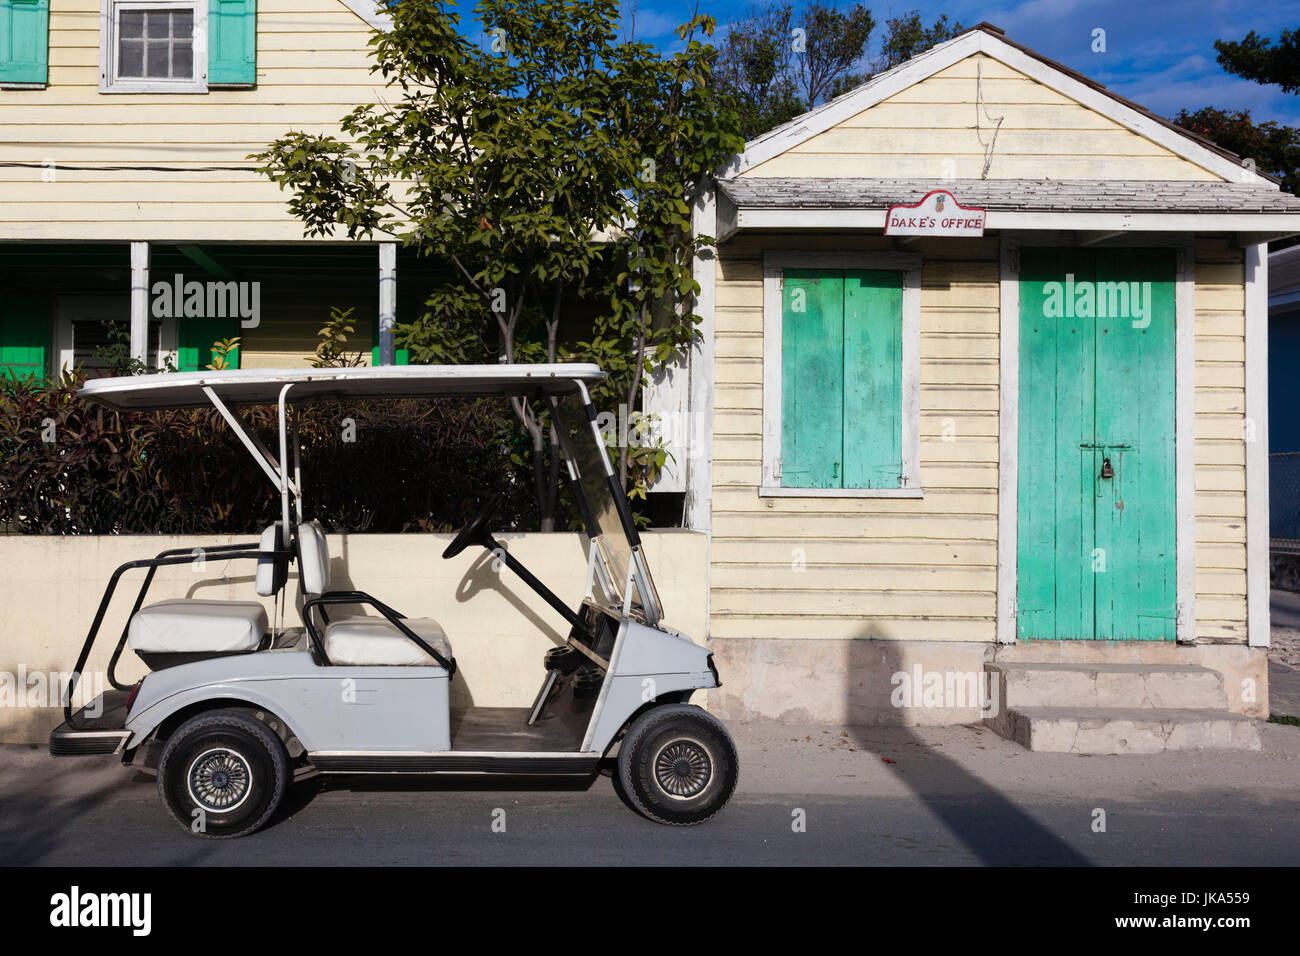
point(1160, 55)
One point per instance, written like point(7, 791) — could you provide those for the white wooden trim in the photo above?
point(1008, 437)
point(891, 82)
point(108, 81)
point(1258, 624)
point(1184, 431)
point(698, 441)
point(775, 262)
point(140, 301)
point(1116, 222)
point(1185, 441)
point(368, 10)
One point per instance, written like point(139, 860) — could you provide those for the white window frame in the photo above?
point(775, 262)
point(108, 80)
point(106, 309)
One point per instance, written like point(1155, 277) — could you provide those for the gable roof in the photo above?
point(992, 42)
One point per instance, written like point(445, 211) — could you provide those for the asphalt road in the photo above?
point(951, 796)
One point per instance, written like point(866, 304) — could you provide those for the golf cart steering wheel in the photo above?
point(473, 533)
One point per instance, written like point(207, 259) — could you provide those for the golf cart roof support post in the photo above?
point(284, 465)
point(297, 463)
point(260, 454)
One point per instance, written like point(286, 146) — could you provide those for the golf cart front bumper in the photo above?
point(98, 728)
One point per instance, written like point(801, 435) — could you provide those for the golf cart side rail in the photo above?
point(170, 556)
point(361, 597)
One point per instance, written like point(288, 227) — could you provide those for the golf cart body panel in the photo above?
point(326, 708)
point(229, 706)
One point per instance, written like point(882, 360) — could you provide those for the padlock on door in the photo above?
point(1107, 471)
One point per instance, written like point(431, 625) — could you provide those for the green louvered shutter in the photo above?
point(196, 338)
point(24, 41)
point(232, 42)
point(25, 336)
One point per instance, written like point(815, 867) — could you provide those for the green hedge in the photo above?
point(71, 467)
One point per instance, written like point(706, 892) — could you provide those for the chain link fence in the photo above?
point(1284, 502)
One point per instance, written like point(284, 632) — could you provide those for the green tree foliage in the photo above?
point(1274, 148)
point(550, 164)
point(777, 72)
point(906, 37)
point(1256, 58)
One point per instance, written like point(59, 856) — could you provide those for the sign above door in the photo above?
point(937, 214)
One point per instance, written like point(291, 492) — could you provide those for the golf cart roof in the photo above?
point(263, 386)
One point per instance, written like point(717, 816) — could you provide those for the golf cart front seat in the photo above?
point(363, 641)
point(180, 630)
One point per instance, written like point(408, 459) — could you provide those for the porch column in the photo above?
point(1258, 632)
point(387, 302)
point(140, 301)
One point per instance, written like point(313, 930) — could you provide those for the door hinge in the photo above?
point(776, 468)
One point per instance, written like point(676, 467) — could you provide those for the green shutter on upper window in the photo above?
point(24, 41)
point(232, 42)
point(25, 336)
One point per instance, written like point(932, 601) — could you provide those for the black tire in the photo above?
point(677, 765)
point(222, 774)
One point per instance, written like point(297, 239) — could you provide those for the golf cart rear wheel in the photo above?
point(677, 765)
point(222, 774)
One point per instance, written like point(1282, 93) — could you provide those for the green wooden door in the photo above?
point(841, 378)
point(25, 335)
point(1096, 509)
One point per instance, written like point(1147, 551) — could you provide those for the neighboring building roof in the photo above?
point(991, 41)
point(1284, 278)
point(1028, 195)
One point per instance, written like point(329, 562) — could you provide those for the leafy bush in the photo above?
point(72, 467)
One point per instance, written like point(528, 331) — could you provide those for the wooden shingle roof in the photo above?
point(1013, 195)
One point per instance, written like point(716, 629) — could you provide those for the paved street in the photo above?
point(953, 796)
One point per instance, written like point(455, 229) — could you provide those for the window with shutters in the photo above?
point(841, 374)
point(24, 43)
point(177, 46)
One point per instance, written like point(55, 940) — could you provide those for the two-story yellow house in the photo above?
point(126, 194)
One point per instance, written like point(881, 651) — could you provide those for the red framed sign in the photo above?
point(937, 214)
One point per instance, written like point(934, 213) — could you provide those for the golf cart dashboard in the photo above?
point(596, 637)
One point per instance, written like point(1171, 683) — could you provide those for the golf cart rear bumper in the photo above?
point(98, 728)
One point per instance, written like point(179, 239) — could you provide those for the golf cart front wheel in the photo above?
point(677, 765)
point(222, 774)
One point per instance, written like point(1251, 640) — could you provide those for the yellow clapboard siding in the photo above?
point(803, 573)
point(937, 501)
point(861, 552)
point(937, 127)
point(726, 625)
point(766, 599)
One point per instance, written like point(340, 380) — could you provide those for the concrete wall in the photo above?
point(498, 628)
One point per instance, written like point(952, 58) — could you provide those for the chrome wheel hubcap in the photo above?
point(219, 780)
point(683, 768)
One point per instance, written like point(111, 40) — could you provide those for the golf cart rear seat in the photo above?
point(180, 630)
point(362, 641)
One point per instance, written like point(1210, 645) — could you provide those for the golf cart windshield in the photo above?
point(616, 546)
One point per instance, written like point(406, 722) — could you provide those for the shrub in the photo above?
point(72, 467)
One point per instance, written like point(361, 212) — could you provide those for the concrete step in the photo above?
point(1126, 730)
point(1155, 686)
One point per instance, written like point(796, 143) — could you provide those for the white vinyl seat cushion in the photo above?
point(188, 625)
point(373, 641)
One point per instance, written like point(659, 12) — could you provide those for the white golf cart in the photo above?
point(235, 709)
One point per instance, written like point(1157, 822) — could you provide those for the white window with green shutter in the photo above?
point(177, 46)
point(24, 43)
point(841, 374)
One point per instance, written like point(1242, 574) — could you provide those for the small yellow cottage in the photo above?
point(980, 409)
